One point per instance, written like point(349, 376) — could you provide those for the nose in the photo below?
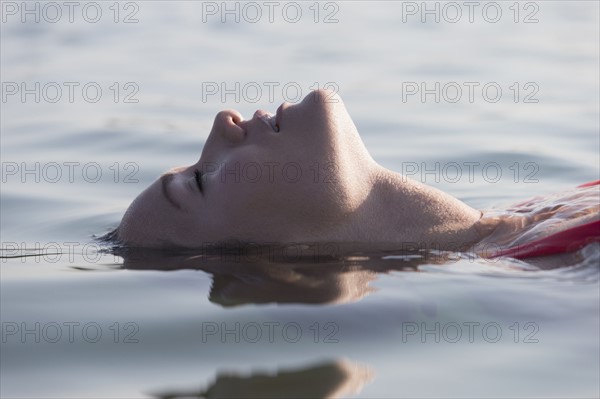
point(228, 125)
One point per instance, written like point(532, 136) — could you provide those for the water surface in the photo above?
point(370, 324)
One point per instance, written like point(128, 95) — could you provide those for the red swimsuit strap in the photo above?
point(589, 184)
point(568, 240)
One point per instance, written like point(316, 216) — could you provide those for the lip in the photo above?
point(279, 115)
point(260, 112)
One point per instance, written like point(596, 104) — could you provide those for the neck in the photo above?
point(401, 211)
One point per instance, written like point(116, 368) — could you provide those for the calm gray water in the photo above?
point(77, 323)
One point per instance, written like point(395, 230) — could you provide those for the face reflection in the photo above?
point(257, 184)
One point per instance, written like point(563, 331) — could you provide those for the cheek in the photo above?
point(297, 181)
point(243, 200)
point(296, 198)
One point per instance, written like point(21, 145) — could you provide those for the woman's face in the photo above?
point(253, 183)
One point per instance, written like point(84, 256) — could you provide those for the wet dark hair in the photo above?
point(110, 241)
point(110, 237)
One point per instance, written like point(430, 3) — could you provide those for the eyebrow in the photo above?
point(165, 179)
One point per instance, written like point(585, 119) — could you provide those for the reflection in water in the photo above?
point(261, 275)
point(243, 278)
point(333, 379)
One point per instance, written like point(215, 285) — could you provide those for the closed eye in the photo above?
point(198, 177)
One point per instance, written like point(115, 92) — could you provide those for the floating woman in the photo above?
point(305, 176)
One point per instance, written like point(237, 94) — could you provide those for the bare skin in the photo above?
point(311, 181)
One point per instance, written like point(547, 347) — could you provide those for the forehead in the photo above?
point(152, 219)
